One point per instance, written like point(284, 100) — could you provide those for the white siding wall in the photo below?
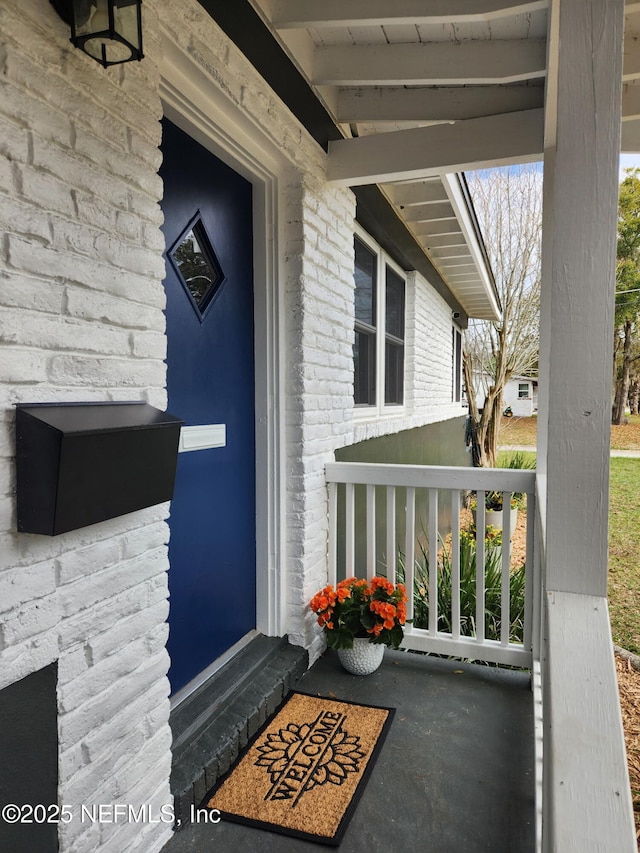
point(81, 318)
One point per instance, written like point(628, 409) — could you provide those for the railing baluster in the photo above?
point(505, 615)
point(480, 564)
point(410, 548)
point(333, 533)
point(350, 538)
point(455, 564)
point(433, 561)
point(391, 534)
point(371, 530)
point(529, 570)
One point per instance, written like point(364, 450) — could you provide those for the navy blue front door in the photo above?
point(210, 362)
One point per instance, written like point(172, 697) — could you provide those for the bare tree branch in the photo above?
point(508, 204)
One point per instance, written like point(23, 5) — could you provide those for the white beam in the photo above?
point(451, 252)
point(630, 136)
point(422, 192)
point(425, 231)
point(450, 103)
point(446, 241)
point(630, 103)
point(631, 63)
point(435, 63)
point(428, 212)
point(425, 151)
point(353, 13)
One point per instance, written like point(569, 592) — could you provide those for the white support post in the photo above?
point(582, 139)
point(586, 801)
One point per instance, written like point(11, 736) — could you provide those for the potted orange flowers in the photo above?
point(359, 613)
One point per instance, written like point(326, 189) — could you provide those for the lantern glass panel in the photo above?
point(108, 29)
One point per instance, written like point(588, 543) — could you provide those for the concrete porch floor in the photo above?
point(456, 772)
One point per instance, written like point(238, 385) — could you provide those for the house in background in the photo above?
point(260, 228)
point(520, 393)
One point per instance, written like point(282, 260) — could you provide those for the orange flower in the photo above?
point(382, 583)
point(340, 606)
point(324, 618)
point(319, 602)
point(383, 609)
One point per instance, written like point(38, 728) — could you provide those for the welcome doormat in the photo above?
point(305, 770)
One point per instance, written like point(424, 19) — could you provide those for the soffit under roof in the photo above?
point(424, 89)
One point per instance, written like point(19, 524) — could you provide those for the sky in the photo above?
point(628, 161)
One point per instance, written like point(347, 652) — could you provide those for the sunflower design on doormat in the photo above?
point(300, 757)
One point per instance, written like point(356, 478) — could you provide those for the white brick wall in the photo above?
point(81, 317)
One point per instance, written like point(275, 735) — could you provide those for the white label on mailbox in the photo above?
point(202, 437)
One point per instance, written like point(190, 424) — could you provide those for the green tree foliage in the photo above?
point(626, 349)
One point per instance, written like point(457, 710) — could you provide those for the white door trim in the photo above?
point(194, 103)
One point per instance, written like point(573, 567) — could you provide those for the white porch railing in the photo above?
point(399, 531)
point(382, 516)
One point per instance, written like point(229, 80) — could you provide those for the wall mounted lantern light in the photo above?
point(109, 31)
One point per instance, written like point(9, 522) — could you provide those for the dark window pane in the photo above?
point(197, 265)
point(364, 360)
point(365, 277)
point(394, 374)
point(457, 366)
point(394, 305)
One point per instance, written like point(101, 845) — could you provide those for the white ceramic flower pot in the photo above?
point(363, 659)
point(493, 518)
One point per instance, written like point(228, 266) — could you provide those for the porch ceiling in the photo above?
point(424, 89)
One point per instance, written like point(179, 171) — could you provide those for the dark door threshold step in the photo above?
point(216, 722)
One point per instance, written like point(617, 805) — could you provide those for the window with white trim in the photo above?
point(523, 390)
point(378, 352)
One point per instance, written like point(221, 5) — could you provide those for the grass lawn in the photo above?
point(626, 436)
point(624, 553)
point(624, 547)
point(523, 431)
point(518, 431)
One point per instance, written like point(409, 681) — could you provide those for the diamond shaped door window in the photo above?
point(197, 265)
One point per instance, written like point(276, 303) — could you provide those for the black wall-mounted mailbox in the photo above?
point(80, 463)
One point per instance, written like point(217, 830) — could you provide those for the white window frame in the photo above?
point(527, 395)
point(380, 408)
